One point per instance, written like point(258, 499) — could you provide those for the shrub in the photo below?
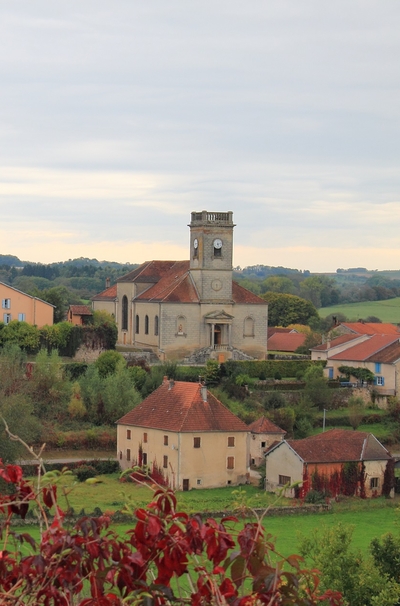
point(315, 497)
point(84, 472)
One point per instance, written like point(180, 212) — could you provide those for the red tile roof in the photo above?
point(340, 446)
point(264, 425)
point(80, 310)
point(179, 407)
point(335, 342)
point(171, 281)
point(371, 328)
point(242, 295)
point(106, 295)
point(174, 286)
point(273, 329)
point(362, 351)
point(285, 341)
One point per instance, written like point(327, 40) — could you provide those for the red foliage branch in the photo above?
point(162, 546)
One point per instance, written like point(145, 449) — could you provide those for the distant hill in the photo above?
point(11, 261)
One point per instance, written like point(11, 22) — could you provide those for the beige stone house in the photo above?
point(183, 308)
point(263, 434)
point(318, 463)
point(17, 305)
point(190, 434)
point(378, 353)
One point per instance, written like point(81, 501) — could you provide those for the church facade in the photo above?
point(178, 308)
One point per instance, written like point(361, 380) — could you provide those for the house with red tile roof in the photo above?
point(263, 434)
point(191, 309)
point(367, 328)
point(335, 462)
point(378, 353)
point(189, 433)
point(79, 315)
point(286, 342)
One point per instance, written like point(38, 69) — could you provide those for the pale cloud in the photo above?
point(119, 119)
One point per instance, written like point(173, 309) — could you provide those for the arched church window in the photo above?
point(137, 326)
point(248, 327)
point(124, 312)
point(156, 326)
point(146, 325)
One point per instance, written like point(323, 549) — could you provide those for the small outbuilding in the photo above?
point(263, 434)
point(352, 463)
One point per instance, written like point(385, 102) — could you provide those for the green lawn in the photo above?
point(386, 311)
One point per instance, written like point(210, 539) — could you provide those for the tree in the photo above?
point(359, 581)
point(316, 388)
point(48, 388)
point(108, 362)
point(286, 309)
point(356, 411)
point(59, 296)
point(278, 284)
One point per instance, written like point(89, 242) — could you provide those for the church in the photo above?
point(190, 310)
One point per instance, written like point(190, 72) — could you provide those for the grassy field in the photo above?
point(386, 311)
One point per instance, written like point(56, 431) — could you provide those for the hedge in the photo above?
point(263, 369)
point(101, 467)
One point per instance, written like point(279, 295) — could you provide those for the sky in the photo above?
point(120, 117)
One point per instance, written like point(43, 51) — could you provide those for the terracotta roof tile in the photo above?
point(264, 425)
point(371, 328)
point(242, 295)
point(340, 445)
point(388, 355)
point(150, 271)
point(366, 349)
point(174, 286)
point(335, 342)
point(181, 408)
point(80, 310)
point(106, 295)
point(285, 341)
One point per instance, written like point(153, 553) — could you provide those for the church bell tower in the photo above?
point(211, 255)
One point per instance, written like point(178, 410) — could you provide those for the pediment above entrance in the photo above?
point(220, 316)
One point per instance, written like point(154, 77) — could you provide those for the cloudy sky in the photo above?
point(120, 117)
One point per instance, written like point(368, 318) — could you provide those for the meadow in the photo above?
point(370, 518)
point(386, 311)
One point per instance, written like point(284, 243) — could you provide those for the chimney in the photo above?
point(203, 390)
point(165, 379)
point(108, 282)
point(171, 384)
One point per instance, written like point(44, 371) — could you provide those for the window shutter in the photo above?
point(375, 381)
point(382, 380)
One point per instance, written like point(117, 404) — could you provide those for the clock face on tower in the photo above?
point(217, 243)
point(195, 242)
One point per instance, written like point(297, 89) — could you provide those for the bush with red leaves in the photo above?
point(168, 557)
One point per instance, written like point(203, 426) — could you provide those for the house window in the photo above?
point(146, 325)
point(231, 441)
point(378, 367)
point(379, 381)
point(120, 455)
point(128, 434)
point(6, 318)
point(144, 458)
point(263, 444)
point(198, 482)
point(248, 328)
point(6, 303)
point(196, 442)
point(128, 454)
point(145, 438)
point(137, 325)
point(283, 480)
point(156, 326)
point(374, 483)
point(165, 461)
point(230, 463)
point(124, 312)
point(165, 440)
point(21, 317)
